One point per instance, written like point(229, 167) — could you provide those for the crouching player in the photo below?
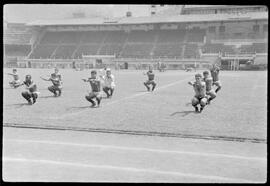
point(211, 94)
point(215, 73)
point(95, 86)
point(109, 83)
point(150, 81)
point(57, 84)
point(31, 90)
point(200, 93)
point(16, 81)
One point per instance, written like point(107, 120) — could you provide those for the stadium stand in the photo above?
point(86, 50)
point(141, 36)
point(137, 50)
point(171, 36)
point(111, 49)
point(196, 35)
point(191, 51)
point(17, 50)
point(43, 51)
point(64, 52)
point(171, 50)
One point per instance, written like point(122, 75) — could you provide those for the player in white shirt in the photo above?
point(108, 83)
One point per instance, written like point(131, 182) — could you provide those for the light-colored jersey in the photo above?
point(215, 73)
point(108, 81)
point(208, 83)
point(31, 85)
point(200, 89)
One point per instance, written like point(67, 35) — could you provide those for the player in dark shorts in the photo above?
point(150, 81)
point(95, 93)
point(31, 90)
point(56, 79)
point(200, 97)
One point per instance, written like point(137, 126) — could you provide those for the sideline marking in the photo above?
point(132, 169)
point(139, 149)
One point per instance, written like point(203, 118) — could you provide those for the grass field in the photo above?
point(239, 111)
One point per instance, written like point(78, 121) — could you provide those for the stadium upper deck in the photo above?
point(177, 36)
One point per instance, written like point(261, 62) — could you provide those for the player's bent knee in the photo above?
point(194, 101)
point(203, 102)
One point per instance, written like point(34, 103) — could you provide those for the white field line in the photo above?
point(131, 169)
point(113, 147)
point(119, 100)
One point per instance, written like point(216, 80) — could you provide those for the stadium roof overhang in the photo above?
point(153, 20)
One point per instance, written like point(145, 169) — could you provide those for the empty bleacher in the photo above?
point(168, 50)
point(196, 35)
point(137, 50)
point(171, 36)
point(116, 37)
point(191, 51)
point(90, 49)
point(64, 52)
point(111, 49)
point(17, 50)
point(141, 36)
point(43, 51)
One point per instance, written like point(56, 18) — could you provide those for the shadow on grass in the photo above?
point(78, 108)
point(44, 97)
point(183, 113)
point(17, 105)
point(188, 104)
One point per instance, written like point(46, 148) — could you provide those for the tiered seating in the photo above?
point(86, 50)
point(141, 36)
point(260, 47)
point(51, 38)
point(111, 49)
point(137, 50)
point(168, 50)
point(212, 48)
point(17, 50)
point(191, 51)
point(93, 36)
point(116, 37)
point(43, 51)
point(70, 37)
point(196, 35)
point(228, 49)
point(171, 36)
point(247, 49)
point(64, 51)
point(17, 34)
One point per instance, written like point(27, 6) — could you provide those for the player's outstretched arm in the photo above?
point(44, 79)
point(190, 83)
point(85, 80)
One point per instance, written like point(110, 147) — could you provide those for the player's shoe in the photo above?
point(93, 105)
point(201, 109)
point(196, 109)
point(29, 102)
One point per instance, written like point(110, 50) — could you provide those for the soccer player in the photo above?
point(16, 81)
point(150, 80)
point(57, 84)
point(109, 83)
point(200, 93)
point(215, 73)
point(95, 86)
point(31, 90)
point(211, 94)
